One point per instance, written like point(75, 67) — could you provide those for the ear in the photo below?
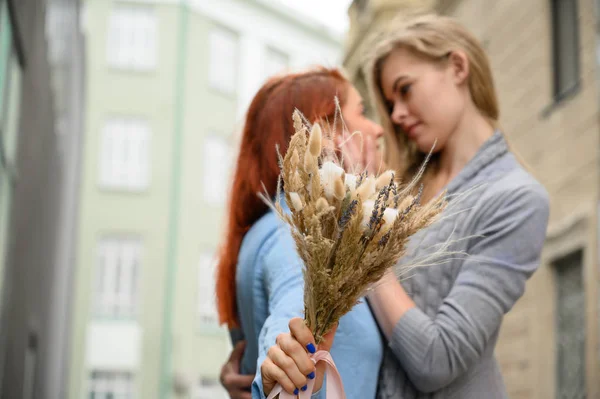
point(459, 65)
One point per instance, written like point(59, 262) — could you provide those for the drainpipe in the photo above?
point(597, 216)
point(166, 367)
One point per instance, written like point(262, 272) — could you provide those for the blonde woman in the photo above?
point(432, 83)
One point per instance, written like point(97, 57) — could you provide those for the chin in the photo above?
point(425, 145)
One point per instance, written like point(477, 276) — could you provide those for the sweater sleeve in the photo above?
point(510, 232)
point(284, 286)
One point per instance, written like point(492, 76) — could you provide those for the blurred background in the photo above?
point(119, 124)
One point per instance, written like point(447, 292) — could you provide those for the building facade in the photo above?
point(544, 55)
point(168, 85)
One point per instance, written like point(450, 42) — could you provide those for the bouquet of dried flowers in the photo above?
point(348, 228)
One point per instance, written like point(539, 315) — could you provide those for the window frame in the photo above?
point(215, 70)
point(561, 90)
point(559, 265)
point(130, 174)
point(206, 310)
point(116, 47)
point(110, 381)
point(114, 302)
point(209, 196)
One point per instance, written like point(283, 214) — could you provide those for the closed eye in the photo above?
point(405, 90)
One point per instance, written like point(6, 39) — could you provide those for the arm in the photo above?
point(284, 284)
point(236, 384)
point(435, 351)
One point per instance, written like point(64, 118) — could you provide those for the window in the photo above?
point(565, 36)
point(117, 277)
point(209, 388)
point(132, 38)
point(30, 365)
point(124, 160)
point(223, 58)
point(111, 385)
point(570, 326)
point(216, 169)
point(207, 308)
point(275, 62)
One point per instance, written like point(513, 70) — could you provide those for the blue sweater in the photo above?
point(270, 290)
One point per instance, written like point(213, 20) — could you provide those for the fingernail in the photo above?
point(304, 387)
point(296, 391)
point(311, 348)
point(311, 375)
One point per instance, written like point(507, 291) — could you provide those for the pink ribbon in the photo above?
point(335, 388)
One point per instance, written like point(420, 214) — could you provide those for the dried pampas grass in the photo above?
point(349, 229)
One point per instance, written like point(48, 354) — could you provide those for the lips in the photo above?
point(410, 129)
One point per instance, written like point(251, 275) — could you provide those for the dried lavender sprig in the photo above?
point(360, 179)
point(420, 194)
point(394, 189)
point(343, 222)
point(375, 214)
point(346, 216)
point(384, 239)
point(416, 201)
point(374, 224)
point(386, 195)
point(385, 190)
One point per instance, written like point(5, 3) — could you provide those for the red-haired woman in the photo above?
point(259, 278)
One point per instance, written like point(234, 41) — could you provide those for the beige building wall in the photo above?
point(559, 141)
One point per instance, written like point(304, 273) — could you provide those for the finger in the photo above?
point(272, 374)
point(368, 152)
point(240, 395)
point(288, 365)
point(238, 351)
point(369, 155)
point(341, 146)
point(297, 352)
point(354, 147)
point(338, 140)
point(358, 150)
point(301, 332)
point(378, 156)
point(231, 370)
point(238, 381)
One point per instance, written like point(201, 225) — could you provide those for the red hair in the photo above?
point(268, 123)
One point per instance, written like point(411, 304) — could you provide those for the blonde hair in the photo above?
point(433, 38)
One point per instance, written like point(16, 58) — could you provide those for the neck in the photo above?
point(471, 132)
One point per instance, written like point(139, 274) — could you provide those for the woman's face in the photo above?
point(354, 116)
point(361, 149)
point(425, 99)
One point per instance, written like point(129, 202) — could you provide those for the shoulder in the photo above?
point(257, 238)
point(514, 183)
point(513, 196)
point(262, 231)
point(268, 237)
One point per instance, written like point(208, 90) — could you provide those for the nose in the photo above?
point(373, 129)
point(377, 131)
point(399, 113)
